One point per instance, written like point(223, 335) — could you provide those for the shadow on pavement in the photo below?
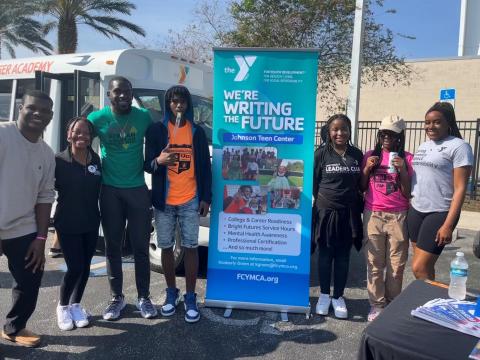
point(157, 341)
point(51, 278)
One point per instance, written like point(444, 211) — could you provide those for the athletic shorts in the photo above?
point(423, 227)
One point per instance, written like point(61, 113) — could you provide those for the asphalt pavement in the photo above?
point(245, 335)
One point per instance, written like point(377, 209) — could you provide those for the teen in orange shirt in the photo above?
point(179, 161)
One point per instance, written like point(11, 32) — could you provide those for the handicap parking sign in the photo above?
point(447, 94)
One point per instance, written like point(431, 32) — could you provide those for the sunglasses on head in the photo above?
point(390, 134)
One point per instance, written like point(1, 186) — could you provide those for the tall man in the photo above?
point(27, 168)
point(124, 195)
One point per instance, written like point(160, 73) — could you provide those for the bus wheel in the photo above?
point(156, 253)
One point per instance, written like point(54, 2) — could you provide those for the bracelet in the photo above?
point(38, 237)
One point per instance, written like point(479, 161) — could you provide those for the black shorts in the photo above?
point(423, 227)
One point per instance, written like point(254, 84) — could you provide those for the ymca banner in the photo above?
point(263, 144)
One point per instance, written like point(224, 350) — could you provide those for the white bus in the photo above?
point(78, 84)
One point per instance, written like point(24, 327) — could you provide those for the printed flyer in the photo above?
point(263, 144)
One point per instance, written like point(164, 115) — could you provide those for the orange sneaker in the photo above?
point(24, 337)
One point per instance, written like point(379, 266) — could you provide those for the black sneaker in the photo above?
point(128, 259)
point(147, 309)
point(55, 253)
point(114, 308)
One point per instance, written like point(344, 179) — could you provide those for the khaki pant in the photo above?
point(386, 250)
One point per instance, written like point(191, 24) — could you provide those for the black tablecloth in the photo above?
point(397, 335)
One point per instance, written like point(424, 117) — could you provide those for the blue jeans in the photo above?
point(188, 219)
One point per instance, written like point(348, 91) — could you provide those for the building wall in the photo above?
point(411, 102)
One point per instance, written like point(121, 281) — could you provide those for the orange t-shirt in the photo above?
point(182, 185)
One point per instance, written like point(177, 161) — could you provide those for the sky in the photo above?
point(433, 23)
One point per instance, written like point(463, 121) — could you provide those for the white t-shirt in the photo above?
point(433, 164)
point(27, 172)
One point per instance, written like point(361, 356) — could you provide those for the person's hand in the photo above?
point(203, 208)
point(166, 157)
point(444, 236)
point(36, 255)
point(372, 161)
point(399, 163)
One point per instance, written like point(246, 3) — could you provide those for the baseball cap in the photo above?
point(393, 123)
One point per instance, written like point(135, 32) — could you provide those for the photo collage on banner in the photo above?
point(263, 143)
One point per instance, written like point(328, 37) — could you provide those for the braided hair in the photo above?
point(71, 125)
point(448, 112)
point(331, 119)
point(399, 147)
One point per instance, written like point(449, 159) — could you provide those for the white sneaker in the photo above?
point(79, 315)
point(64, 319)
point(323, 304)
point(374, 312)
point(340, 308)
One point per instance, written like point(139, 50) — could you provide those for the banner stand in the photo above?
point(282, 309)
point(262, 164)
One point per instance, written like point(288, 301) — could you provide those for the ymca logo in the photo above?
point(244, 63)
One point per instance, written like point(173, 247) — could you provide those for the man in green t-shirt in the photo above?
point(124, 195)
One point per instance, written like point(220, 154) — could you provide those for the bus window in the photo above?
point(151, 100)
point(90, 96)
point(5, 99)
point(203, 115)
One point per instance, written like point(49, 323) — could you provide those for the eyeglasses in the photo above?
point(390, 134)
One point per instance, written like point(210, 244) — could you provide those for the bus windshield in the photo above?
point(153, 100)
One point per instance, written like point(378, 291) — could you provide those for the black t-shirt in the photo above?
point(78, 188)
point(336, 177)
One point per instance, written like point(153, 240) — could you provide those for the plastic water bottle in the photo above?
point(458, 277)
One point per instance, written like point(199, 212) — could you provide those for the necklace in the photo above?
point(123, 135)
point(122, 132)
point(342, 155)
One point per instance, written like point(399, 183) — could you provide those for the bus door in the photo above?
point(87, 92)
point(74, 94)
point(87, 95)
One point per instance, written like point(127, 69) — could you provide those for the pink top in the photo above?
point(383, 193)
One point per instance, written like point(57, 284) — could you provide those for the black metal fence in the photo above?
point(415, 135)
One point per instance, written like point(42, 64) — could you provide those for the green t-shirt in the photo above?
point(121, 144)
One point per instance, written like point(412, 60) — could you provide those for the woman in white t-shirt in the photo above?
point(441, 167)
